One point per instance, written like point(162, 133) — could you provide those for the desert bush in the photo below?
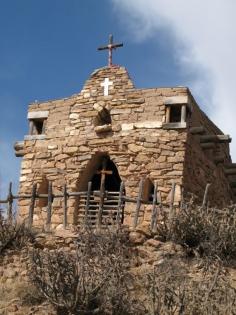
point(13, 235)
point(170, 290)
point(211, 232)
point(95, 280)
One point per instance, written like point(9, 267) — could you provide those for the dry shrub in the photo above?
point(211, 232)
point(13, 235)
point(95, 280)
point(170, 290)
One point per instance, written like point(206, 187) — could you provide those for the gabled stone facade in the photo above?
point(158, 134)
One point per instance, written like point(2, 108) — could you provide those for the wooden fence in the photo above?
point(119, 199)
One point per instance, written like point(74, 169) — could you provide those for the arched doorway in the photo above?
point(104, 205)
point(107, 175)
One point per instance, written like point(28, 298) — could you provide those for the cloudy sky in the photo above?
point(48, 50)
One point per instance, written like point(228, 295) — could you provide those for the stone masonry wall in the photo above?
point(202, 166)
point(134, 137)
point(136, 141)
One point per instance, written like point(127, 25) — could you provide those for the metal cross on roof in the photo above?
point(110, 48)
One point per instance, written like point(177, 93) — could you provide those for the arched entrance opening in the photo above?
point(106, 174)
point(103, 174)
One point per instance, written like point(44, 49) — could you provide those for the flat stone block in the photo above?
point(181, 99)
point(126, 127)
point(38, 114)
point(175, 125)
point(104, 128)
point(35, 137)
point(148, 125)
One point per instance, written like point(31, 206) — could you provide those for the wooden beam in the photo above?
point(197, 130)
point(19, 148)
point(233, 184)
point(175, 125)
point(119, 215)
point(20, 153)
point(230, 171)
point(65, 208)
point(49, 207)
point(205, 197)
point(219, 159)
point(32, 205)
point(138, 204)
point(230, 165)
point(19, 145)
point(154, 210)
point(215, 138)
point(183, 113)
point(167, 114)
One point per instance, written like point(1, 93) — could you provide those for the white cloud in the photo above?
point(205, 36)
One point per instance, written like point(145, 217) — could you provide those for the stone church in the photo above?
point(158, 134)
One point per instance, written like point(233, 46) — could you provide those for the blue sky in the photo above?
point(48, 50)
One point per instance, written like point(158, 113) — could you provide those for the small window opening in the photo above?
point(148, 190)
point(175, 114)
point(37, 126)
point(103, 118)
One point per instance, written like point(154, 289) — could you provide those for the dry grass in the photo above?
point(208, 231)
point(19, 292)
point(13, 236)
point(92, 281)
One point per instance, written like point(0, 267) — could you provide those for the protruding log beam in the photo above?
point(19, 145)
point(233, 184)
point(19, 148)
point(215, 138)
point(230, 165)
point(197, 130)
point(207, 146)
point(230, 171)
point(219, 159)
point(20, 153)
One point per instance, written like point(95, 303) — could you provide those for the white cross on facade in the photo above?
point(106, 85)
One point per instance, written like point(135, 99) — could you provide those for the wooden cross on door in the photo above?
point(103, 173)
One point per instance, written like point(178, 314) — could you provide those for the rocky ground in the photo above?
point(19, 297)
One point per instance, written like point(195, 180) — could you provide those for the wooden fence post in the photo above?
point(154, 210)
point(120, 204)
point(138, 205)
point(10, 203)
point(172, 199)
point(49, 207)
point(65, 197)
point(32, 204)
point(87, 203)
point(204, 202)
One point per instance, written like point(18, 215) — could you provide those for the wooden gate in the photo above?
point(91, 213)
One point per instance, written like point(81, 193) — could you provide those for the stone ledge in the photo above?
point(103, 128)
point(35, 137)
point(175, 125)
point(175, 100)
point(142, 125)
point(38, 114)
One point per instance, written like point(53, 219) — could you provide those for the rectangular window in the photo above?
point(175, 113)
point(37, 126)
point(37, 122)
